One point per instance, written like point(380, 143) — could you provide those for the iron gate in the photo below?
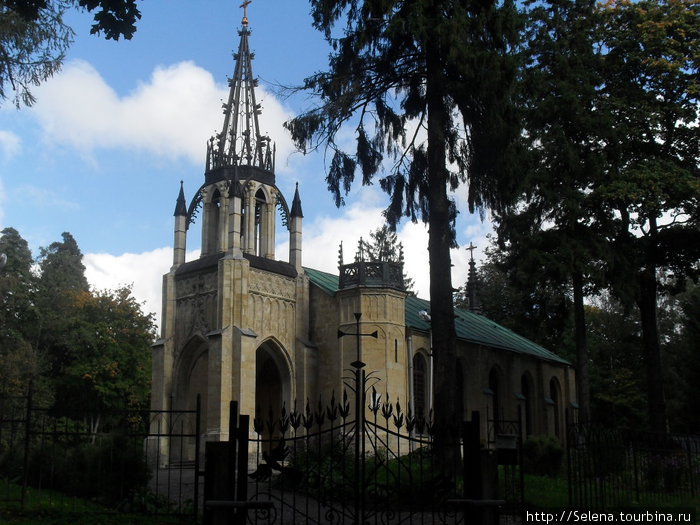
point(326, 463)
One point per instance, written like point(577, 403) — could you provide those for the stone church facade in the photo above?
point(240, 324)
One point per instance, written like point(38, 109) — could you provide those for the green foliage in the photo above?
point(680, 334)
point(542, 455)
point(85, 349)
point(34, 39)
point(398, 68)
point(107, 360)
point(537, 308)
point(105, 471)
point(546, 492)
point(32, 48)
point(411, 480)
point(18, 314)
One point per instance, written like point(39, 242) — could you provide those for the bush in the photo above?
point(107, 470)
point(542, 455)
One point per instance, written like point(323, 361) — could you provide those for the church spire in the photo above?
point(296, 204)
point(472, 283)
point(180, 204)
point(240, 142)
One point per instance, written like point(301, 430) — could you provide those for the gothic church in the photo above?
point(239, 324)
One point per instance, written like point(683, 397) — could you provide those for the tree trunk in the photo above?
point(439, 242)
point(656, 400)
point(583, 385)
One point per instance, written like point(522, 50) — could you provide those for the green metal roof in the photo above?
point(326, 281)
point(470, 327)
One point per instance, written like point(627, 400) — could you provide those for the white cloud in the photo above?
point(143, 271)
point(171, 115)
point(10, 144)
point(322, 237)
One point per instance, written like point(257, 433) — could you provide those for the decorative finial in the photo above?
point(471, 249)
point(340, 255)
point(245, 5)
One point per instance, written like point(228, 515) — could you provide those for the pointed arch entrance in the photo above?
point(273, 385)
point(191, 380)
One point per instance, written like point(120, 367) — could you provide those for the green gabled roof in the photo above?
point(470, 327)
point(481, 330)
point(326, 281)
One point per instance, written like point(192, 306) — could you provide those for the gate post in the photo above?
point(197, 452)
point(473, 477)
point(241, 473)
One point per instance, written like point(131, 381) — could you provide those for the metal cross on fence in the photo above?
point(360, 379)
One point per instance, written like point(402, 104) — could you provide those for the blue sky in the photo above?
point(103, 150)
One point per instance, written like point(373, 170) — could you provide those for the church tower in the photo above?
point(235, 320)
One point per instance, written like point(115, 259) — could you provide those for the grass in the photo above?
point(546, 491)
point(45, 507)
point(552, 493)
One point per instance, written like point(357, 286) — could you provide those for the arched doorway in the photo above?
point(527, 391)
point(272, 386)
point(192, 380)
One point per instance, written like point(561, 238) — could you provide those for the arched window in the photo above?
point(260, 222)
point(555, 396)
point(526, 390)
point(211, 223)
point(459, 401)
point(495, 387)
point(420, 383)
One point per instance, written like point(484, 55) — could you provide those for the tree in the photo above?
point(652, 188)
point(682, 348)
point(550, 235)
point(401, 70)
point(385, 246)
point(18, 314)
point(31, 50)
point(107, 362)
point(62, 279)
point(526, 303)
point(34, 38)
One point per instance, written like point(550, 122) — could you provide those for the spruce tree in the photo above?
point(427, 87)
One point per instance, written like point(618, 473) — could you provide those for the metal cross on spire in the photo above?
point(471, 249)
point(245, 5)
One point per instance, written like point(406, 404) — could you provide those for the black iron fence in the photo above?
point(88, 462)
point(357, 459)
point(609, 468)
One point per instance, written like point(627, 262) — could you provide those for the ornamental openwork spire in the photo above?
point(240, 142)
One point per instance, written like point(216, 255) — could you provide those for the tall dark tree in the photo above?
point(652, 190)
point(18, 316)
point(550, 235)
point(427, 87)
point(62, 279)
